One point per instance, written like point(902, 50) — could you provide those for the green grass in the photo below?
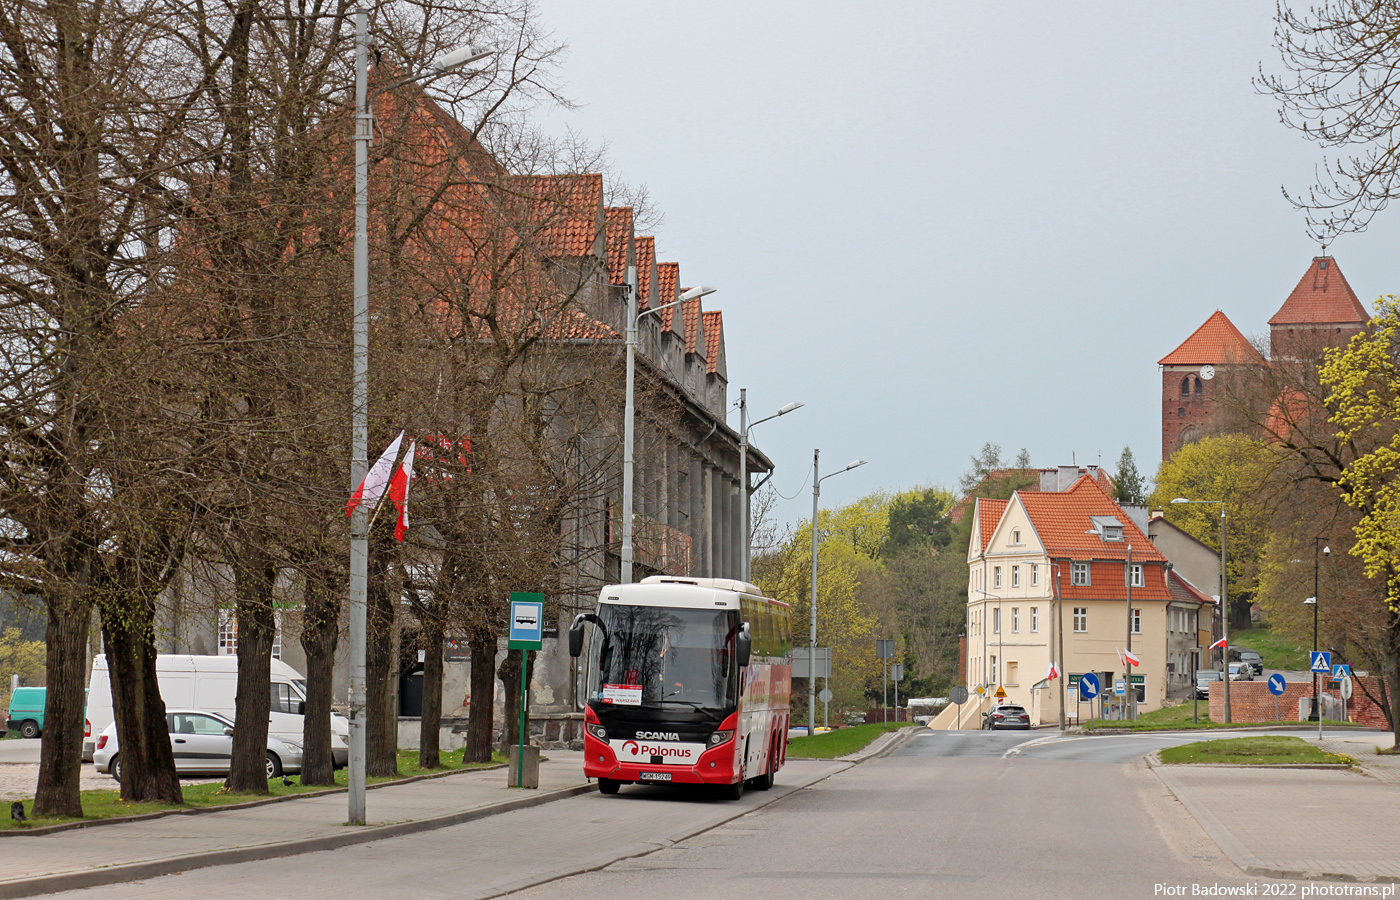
point(841, 741)
point(1179, 718)
point(107, 804)
point(1270, 750)
point(1277, 651)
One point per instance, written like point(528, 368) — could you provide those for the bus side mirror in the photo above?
point(576, 636)
point(576, 631)
point(744, 647)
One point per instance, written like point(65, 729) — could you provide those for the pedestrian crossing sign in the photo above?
point(1321, 661)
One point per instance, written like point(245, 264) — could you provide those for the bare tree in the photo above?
point(1343, 63)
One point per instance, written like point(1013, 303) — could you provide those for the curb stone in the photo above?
point(46, 884)
point(247, 804)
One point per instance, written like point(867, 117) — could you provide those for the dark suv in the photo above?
point(1246, 655)
point(1008, 717)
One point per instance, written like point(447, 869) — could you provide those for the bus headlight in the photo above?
point(719, 737)
point(598, 731)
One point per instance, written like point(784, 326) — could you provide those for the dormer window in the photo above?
point(1107, 527)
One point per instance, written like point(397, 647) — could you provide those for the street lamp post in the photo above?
point(1326, 551)
point(359, 426)
point(1000, 654)
point(1224, 600)
point(812, 634)
point(630, 410)
point(744, 426)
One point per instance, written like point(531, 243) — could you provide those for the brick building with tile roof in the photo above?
point(1322, 311)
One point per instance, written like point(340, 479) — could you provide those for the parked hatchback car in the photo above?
point(203, 745)
point(1203, 679)
point(1252, 657)
point(1241, 671)
point(1008, 717)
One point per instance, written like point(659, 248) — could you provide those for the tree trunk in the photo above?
point(319, 636)
point(257, 625)
point(61, 750)
point(431, 716)
point(147, 758)
point(1392, 675)
point(381, 676)
point(510, 679)
point(482, 710)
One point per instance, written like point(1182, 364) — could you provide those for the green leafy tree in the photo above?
point(1235, 469)
point(918, 518)
point(1128, 484)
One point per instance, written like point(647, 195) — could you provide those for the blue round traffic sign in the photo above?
point(1276, 684)
point(1088, 686)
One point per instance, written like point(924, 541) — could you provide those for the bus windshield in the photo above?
point(654, 656)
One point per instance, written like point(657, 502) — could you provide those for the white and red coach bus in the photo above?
point(688, 682)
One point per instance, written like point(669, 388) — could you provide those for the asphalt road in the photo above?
point(19, 750)
point(970, 814)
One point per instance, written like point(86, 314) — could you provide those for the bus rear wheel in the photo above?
point(608, 786)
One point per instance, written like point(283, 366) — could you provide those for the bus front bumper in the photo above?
point(715, 766)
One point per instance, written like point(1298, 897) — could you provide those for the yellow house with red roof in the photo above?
point(1069, 578)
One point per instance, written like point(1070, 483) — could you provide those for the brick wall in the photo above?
point(1250, 701)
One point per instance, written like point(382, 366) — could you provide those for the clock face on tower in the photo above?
point(1207, 373)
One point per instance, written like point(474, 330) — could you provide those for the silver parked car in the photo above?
point(203, 745)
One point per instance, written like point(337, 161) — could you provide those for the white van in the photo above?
point(210, 683)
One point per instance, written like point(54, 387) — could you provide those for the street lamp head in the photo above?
point(1181, 500)
point(1311, 601)
point(789, 408)
point(855, 465)
point(701, 291)
point(455, 59)
point(1326, 550)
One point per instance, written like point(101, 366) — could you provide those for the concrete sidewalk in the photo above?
point(41, 863)
point(1335, 825)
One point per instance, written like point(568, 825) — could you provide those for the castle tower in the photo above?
point(1321, 312)
point(1194, 379)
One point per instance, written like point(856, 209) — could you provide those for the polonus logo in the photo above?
point(643, 749)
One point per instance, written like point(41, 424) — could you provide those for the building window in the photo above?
point(996, 621)
point(996, 576)
point(228, 632)
point(1035, 574)
point(1015, 620)
point(1015, 576)
point(1137, 621)
point(1186, 386)
point(1016, 537)
point(1081, 619)
point(1079, 573)
point(1198, 387)
point(994, 670)
point(1181, 412)
point(1035, 618)
point(1136, 575)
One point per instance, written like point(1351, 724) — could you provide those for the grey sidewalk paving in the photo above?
point(119, 852)
point(1301, 823)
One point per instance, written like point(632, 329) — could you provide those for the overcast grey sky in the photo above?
point(941, 224)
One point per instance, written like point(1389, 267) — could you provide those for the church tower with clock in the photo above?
point(1193, 379)
point(1322, 311)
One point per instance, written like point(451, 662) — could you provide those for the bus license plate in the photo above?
point(656, 776)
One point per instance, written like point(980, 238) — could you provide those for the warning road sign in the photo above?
point(1001, 693)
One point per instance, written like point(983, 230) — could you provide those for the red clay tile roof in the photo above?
point(714, 336)
point(1322, 296)
point(1062, 521)
point(1181, 589)
point(989, 513)
point(646, 259)
point(668, 279)
point(690, 312)
point(570, 209)
point(1216, 341)
point(619, 226)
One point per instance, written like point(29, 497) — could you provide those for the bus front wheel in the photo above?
point(732, 791)
point(608, 786)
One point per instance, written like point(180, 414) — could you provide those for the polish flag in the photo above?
point(1052, 672)
point(1132, 658)
point(372, 488)
point(1219, 643)
point(398, 490)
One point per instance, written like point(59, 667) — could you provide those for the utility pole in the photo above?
point(1127, 663)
